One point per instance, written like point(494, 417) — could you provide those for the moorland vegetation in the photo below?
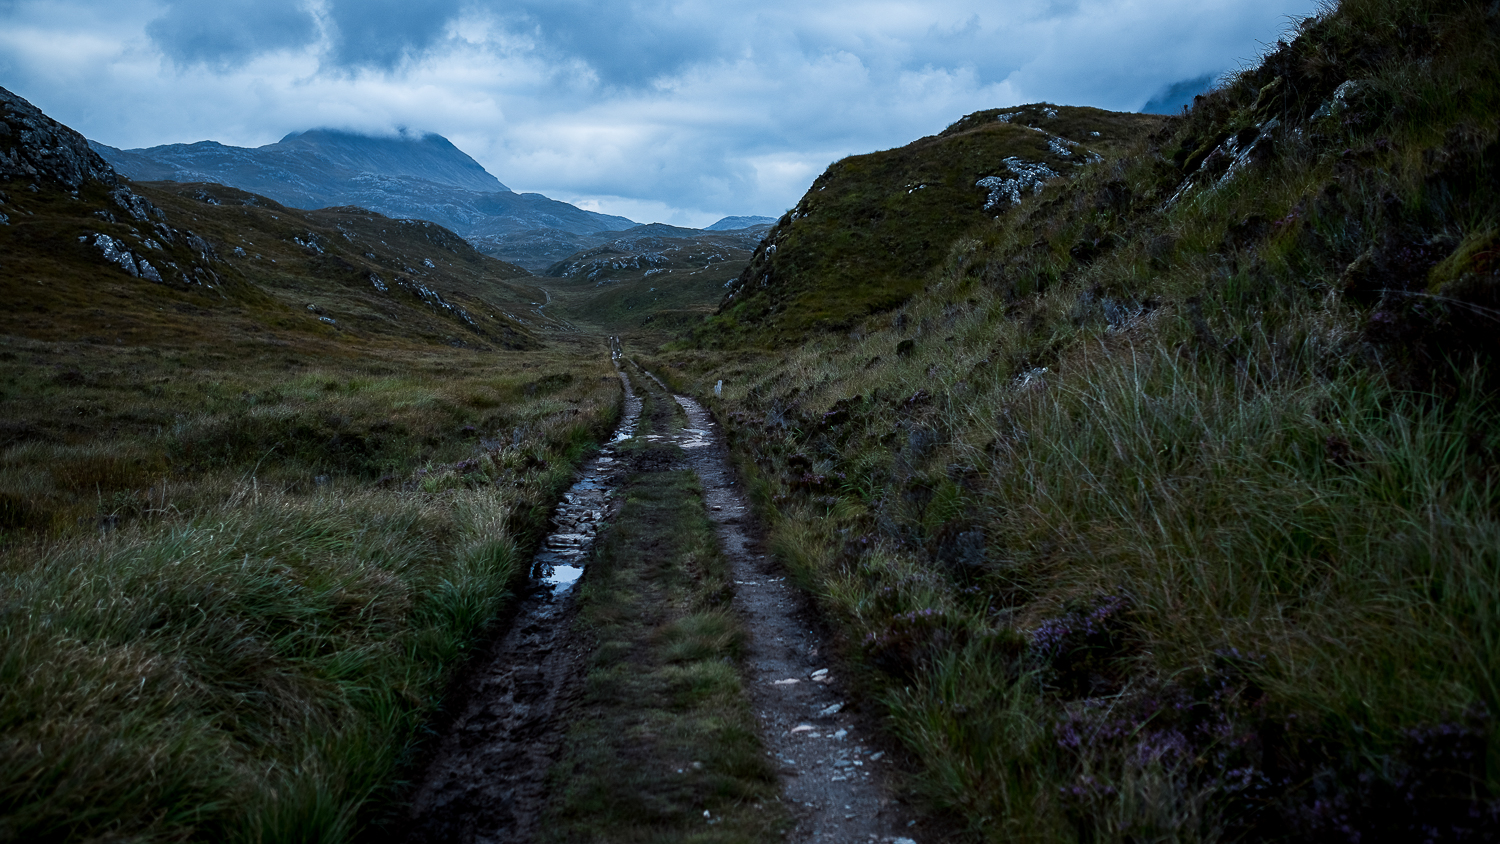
point(254, 510)
point(1146, 468)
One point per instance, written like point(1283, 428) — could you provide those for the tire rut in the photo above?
point(486, 780)
point(835, 778)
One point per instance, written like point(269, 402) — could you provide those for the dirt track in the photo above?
point(834, 779)
point(486, 780)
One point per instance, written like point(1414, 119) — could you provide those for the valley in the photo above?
point(1063, 475)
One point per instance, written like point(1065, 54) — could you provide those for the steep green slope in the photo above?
point(1167, 509)
point(870, 228)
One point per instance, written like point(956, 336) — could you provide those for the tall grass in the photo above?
point(228, 609)
point(1176, 520)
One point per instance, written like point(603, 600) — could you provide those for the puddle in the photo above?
point(576, 521)
point(693, 437)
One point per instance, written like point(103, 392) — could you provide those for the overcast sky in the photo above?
point(680, 111)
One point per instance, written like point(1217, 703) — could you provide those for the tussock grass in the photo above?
point(232, 592)
point(258, 670)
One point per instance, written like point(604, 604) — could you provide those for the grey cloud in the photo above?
point(381, 33)
point(226, 33)
point(731, 106)
point(626, 43)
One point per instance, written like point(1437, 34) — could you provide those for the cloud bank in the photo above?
point(677, 110)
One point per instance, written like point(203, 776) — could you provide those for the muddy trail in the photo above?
point(488, 778)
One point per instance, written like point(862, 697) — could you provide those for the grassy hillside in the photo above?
point(864, 236)
point(227, 257)
point(1166, 507)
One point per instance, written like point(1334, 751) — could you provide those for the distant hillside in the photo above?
point(732, 223)
point(312, 169)
point(872, 225)
point(540, 249)
point(424, 178)
point(654, 277)
point(165, 263)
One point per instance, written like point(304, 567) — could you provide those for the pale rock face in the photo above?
point(115, 252)
point(1029, 176)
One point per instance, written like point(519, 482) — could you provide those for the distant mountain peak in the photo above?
point(420, 155)
point(735, 223)
point(412, 174)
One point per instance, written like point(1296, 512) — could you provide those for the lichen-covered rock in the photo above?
point(1027, 177)
point(115, 252)
point(35, 147)
point(204, 249)
point(136, 205)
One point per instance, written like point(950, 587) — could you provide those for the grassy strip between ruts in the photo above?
point(663, 746)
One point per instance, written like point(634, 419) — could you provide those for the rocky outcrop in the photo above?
point(39, 154)
point(35, 148)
